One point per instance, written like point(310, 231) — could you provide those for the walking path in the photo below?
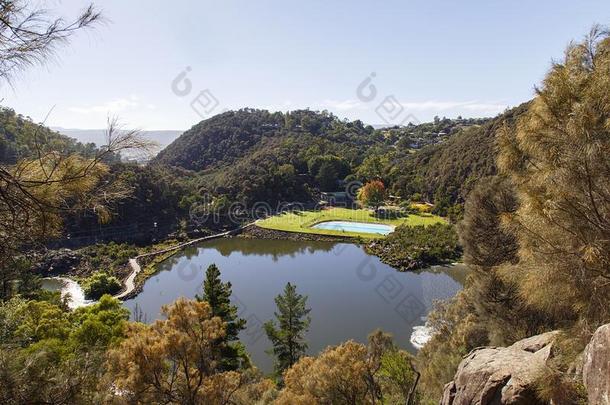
point(130, 285)
point(129, 281)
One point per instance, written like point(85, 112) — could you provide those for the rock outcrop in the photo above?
point(500, 375)
point(596, 367)
point(62, 261)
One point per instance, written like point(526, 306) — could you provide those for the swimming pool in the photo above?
point(359, 227)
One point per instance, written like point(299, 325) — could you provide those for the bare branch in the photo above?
point(30, 36)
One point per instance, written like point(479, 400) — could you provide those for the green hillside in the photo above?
point(21, 138)
point(449, 170)
point(255, 155)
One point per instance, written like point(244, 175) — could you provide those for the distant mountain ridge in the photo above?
point(97, 136)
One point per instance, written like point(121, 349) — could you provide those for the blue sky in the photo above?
point(469, 58)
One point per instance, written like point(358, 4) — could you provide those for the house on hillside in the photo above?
point(335, 198)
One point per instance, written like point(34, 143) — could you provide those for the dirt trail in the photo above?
point(129, 284)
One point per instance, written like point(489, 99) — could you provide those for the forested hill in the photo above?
point(446, 172)
point(255, 155)
point(20, 137)
point(227, 137)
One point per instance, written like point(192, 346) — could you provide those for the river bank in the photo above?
point(391, 250)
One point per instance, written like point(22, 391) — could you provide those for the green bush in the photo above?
point(101, 283)
point(416, 247)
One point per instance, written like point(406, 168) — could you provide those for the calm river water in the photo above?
point(350, 292)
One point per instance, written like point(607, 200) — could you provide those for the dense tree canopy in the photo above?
point(353, 373)
point(257, 156)
point(418, 247)
point(535, 233)
point(20, 138)
point(49, 355)
point(227, 137)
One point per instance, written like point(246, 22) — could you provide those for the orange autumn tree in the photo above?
point(174, 360)
point(353, 373)
point(372, 194)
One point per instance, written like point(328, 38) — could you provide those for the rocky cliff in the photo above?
point(506, 375)
point(596, 368)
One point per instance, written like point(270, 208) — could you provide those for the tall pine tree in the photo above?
point(558, 160)
point(288, 337)
point(218, 295)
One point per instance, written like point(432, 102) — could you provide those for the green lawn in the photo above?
point(302, 221)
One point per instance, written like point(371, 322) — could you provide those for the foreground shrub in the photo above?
point(174, 360)
point(352, 373)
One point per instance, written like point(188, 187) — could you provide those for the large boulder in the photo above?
point(596, 367)
point(500, 375)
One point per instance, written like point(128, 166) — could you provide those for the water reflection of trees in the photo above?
point(280, 248)
point(247, 247)
point(267, 247)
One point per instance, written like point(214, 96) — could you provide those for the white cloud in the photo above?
point(113, 106)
